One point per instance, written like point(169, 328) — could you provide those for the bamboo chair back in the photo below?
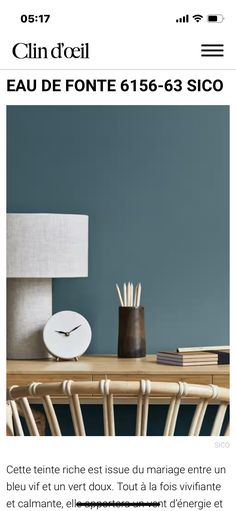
point(143, 391)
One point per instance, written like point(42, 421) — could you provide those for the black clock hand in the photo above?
point(74, 329)
point(67, 333)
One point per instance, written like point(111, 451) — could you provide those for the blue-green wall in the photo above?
point(154, 182)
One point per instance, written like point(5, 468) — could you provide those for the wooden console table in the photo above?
point(96, 367)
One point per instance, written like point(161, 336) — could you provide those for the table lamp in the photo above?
point(39, 247)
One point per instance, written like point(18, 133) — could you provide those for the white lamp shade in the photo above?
point(43, 245)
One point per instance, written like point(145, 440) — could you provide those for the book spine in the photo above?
point(202, 348)
point(185, 364)
point(189, 360)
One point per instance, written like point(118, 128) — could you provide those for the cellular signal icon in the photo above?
point(184, 19)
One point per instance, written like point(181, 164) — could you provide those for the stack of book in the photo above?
point(198, 358)
point(195, 356)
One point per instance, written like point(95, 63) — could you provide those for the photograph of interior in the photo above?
point(117, 270)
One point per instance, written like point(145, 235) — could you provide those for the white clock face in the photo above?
point(67, 334)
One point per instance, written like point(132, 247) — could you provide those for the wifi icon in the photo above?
point(197, 17)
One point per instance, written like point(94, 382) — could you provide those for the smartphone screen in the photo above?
point(117, 151)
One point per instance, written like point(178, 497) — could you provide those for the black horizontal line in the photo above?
point(212, 45)
point(97, 505)
point(211, 55)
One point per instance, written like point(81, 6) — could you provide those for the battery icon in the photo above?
point(215, 18)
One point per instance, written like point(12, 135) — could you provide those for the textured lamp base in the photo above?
point(29, 306)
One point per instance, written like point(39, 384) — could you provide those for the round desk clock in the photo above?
point(66, 335)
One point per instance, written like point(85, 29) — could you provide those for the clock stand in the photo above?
point(58, 359)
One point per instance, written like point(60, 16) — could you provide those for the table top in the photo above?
point(100, 364)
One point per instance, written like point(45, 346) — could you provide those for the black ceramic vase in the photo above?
point(131, 337)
